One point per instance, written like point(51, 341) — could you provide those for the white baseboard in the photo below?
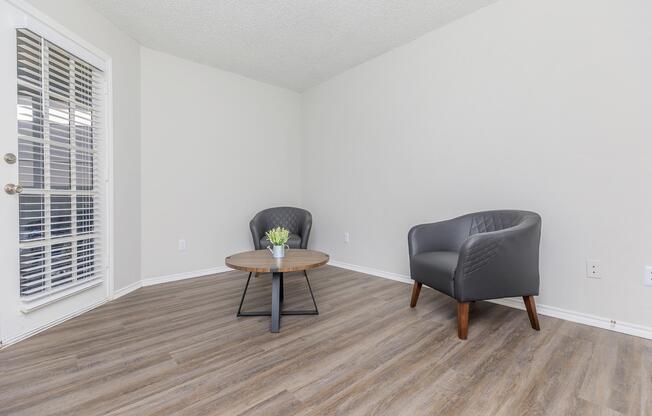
point(127, 289)
point(181, 276)
point(582, 318)
point(552, 311)
point(374, 272)
point(10, 341)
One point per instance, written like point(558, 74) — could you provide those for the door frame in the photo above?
point(55, 32)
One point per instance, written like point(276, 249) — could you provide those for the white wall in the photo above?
point(532, 104)
point(526, 104)
point(217, 148)
point(84, 21)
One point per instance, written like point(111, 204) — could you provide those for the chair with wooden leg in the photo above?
point(481, 256)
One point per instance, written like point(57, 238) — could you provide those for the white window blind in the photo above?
point(60, 128)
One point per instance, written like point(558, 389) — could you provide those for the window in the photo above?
point(60, 128)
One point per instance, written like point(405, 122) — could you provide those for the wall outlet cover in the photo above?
point(647, 277)
point(593, 269)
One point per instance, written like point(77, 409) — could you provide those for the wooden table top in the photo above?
point(261, 261)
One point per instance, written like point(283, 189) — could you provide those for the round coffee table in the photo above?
point(261, 261)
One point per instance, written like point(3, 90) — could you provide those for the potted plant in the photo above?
point(279, 237)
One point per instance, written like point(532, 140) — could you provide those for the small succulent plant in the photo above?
point(278, 236)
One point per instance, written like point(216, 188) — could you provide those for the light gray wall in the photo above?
point(78, 17)
point(217, 148)
point(532, 104)
point(527, 104)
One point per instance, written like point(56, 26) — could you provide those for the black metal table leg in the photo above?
point(277, 278)
point(243, 296)
point(277, 302)
point(282, 291)
point(311, 295)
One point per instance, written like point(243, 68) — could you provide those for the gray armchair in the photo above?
point(486, 255)
point(298, 221)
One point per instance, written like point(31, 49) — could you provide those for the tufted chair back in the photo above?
point(286, 217)
point(297, 220)
point(488, 221)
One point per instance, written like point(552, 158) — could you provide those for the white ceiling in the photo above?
point(292, 43)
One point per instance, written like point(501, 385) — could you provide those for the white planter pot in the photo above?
point(278, 252)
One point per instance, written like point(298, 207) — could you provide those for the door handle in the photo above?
point(11, 189)
point(10, 158)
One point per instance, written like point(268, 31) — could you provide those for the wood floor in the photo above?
point(179, 349)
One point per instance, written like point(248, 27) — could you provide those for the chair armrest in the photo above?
point(436, 236)
point(257, 231)
point(500, 264)
point(306, 226)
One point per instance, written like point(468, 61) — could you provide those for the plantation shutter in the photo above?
point(60, 134)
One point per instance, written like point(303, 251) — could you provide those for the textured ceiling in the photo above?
point(292, 43)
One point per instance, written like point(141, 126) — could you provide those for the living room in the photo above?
point(461, 190)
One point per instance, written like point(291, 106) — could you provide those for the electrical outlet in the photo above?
point(647, 278)
point(347, 237)
point(182, 245)
point(593, 269)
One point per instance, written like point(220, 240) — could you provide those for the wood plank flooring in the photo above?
point(179, 349)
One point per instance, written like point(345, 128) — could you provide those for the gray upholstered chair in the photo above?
point(298, 221)
point(486, 255)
